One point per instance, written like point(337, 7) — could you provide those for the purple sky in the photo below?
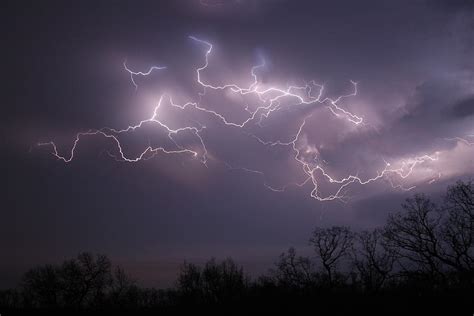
point(410, 125)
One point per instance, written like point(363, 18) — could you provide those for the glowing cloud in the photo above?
point(270, 100)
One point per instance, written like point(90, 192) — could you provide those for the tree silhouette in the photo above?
point(215, 283)
point(458, 229)
point(373, 259)
point(424, 251)
point(331, 246)
point(86, 279)
point(124, 292)
point(429, 239)
point(77, 283)
point(414, 235)
point(42, 287)
point(294, 271)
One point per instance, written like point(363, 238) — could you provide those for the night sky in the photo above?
point(410, 125)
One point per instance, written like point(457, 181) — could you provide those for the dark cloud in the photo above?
point(464, 108)
point(453, 4)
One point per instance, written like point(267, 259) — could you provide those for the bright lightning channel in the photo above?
point(270, 98)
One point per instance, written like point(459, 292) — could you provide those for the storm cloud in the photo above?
point(411, 60)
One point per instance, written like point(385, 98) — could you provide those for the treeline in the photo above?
point(423, 255)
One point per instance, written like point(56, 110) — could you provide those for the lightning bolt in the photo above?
point(111, 133)
point(308, 95)
point(140, 73)
point(465, 141)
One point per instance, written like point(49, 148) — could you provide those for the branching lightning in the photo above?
point(140, 73)
point(308, 95)
point(468, 140)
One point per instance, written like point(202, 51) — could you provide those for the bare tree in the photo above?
point(223, 281)
point(124, 291)
point(460, 198)
point(414, 235)
point(458, 227)
point(42, 287)
point(373, 259)
point(216, 282)
point(11, 299)
point(189, 283)
point(331, 245)
point(79, 282)
point(436, 240)
point(122, 281)
point(86, 279)
point(295, 271)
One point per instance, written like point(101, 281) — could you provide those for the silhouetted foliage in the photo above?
point(215, 283)
point(423, 255)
